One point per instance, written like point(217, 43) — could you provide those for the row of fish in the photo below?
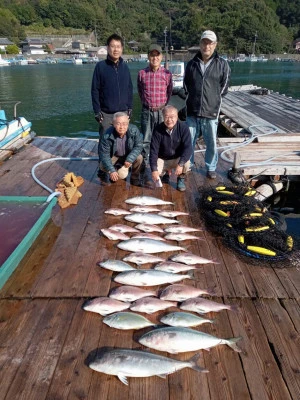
point(176, 338)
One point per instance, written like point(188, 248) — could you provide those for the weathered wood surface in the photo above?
point(46, 337)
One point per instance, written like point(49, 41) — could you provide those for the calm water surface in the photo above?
point(56, 97)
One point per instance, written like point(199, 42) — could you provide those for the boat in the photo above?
point(4, 63)
point(262, 58)
point(177, 69)
point(10, 131)
point(252, 57)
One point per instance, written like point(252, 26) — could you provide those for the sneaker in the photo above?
point(211, 174)
point(104, 178)
point(180, 184)
point(166, 178)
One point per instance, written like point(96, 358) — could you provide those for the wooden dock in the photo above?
point(274, 120)
point(46, 337)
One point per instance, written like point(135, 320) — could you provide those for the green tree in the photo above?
point(12, 49)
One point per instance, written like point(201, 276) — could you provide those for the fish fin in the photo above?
point(233, 344)
point(163, 376)
point(123, 379)
point(193, 362)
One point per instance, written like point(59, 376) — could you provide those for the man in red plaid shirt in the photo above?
point(155, 89)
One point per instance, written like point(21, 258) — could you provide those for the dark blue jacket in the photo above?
point(108, 146)
point(111, 87)
point(168, 147)
point(205, 91)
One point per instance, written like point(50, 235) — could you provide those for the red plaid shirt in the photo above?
point(154, 87)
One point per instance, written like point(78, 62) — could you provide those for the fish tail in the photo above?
point(233, 343)
point(233, 307)
point(193, 363)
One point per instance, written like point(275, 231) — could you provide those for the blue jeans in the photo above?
point(149, 120)
point(207, 128)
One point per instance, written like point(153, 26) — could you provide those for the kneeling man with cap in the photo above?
point(171, 148)
point(120, 149)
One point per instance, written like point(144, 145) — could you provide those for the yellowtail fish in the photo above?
point(146, 201)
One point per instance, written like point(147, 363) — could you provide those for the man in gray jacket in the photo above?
point(206, 81)
point(121, 146)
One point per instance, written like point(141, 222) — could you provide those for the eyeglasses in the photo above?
point(121, 123)
point(209, 44)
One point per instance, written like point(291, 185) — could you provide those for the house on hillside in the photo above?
point(4, 42)
point(35, 46)
point(133, 45)
point(100, 51)
point(296, 45)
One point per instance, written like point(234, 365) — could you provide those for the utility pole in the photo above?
point(166, 49)
point(254, 43)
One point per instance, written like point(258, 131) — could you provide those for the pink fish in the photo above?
point(175, 268)
point(201, 305)
point(150, 305)
point(149, 228)
point(123, 228)
point(117, 211)
point(181, 229)
point(180, 292)
point(114, 235)
point(142, 258)
point(140, 209)
point(181, 236)
point(172, 214)
point(191, 259)
point(104, 305)
point(130, 293)
point(147, 236)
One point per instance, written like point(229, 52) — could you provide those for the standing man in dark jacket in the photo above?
point(111, 85)
point(206, 81)
point(171, 148)
point(120, 149)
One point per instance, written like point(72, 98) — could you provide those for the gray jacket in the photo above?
point(108, 146)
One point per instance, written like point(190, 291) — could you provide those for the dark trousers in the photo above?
point(149, 120)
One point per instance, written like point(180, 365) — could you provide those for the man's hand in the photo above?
point(129, 113)
point(155, 176)
point(178, 170)
point(114, 176)
point(99, 117)
point(127, 164)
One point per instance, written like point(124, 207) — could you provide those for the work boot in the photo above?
point(104, 177)
point(180, 183)
point(166, 178)
point(211, 174)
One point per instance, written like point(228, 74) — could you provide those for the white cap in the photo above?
point(123, 172)
point(210, 35)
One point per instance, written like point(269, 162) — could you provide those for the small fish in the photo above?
point(151, 305)
point(191, 259)
point(179, 340)
point(130, 293)
point(125, 363)
point(147, 236)
point(147, 246)
point(175, 268)
point(172, 214)
point(179, 292)
point(146, 201)
point(181, 229)
point(181, 236)
point(148, 277)
point(123, 228)
point(126, 321)
point(202, 306)
point(184, 319)
point(117, 211)
point(139, 209)
point(104, 305)
point(142, 258)
point(114, 235)
point(149, 228)
point(115, 265)
point(148, 218)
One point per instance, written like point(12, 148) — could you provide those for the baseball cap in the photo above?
point(155, 47)
point(210, 35)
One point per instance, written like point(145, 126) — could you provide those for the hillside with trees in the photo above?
point(274, 23)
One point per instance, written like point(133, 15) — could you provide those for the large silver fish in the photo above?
point(127, 320)
point(184, 319)
point(201, 305)
point(148, 277)
point(139, 364)
point(115, 265)
point(179, 340)
point(146, 201)
point(147, 246)
point(142, 258)
point(151, 305)
point(104, 305)
point(130, 293)
point(148, 218)
point(179, 292)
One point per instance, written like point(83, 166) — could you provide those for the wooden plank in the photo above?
point(263, 375)
point(38, 364)
point(285, 341)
